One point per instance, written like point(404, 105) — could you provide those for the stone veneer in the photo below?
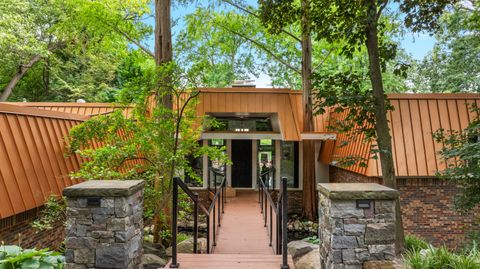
point(427, 206)
point(104, 224)
point(352, 237)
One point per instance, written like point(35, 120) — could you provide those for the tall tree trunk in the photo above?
point(17, 77)
point(163, 56)
point(384, 140)
point(309, 183)
point(163, 45)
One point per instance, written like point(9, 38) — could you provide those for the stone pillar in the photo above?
point(356, 225)
point(104, 224)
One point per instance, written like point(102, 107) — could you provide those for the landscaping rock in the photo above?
point(299, 248)
point(186, 246)
point(152, 261)
point(311, 260)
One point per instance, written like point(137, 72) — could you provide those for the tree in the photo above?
point(140, 145)
point(453, 65)
point(73, 47)
point(461, 153)
point(207, 44)
point(358, 24)
point(277, 15)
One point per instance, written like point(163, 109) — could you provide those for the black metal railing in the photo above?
point(275, 215)
point(212, 215)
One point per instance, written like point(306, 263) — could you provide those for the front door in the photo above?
point(242, 163)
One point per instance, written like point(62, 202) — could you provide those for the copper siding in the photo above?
point(86, 109)
point(33, 164)
point(413, 121)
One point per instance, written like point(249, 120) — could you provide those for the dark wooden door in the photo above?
point(242, 163)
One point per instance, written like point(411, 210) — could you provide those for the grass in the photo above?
point(421, 255)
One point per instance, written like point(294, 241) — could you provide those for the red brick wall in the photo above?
point(427, 208)
point(17, 230)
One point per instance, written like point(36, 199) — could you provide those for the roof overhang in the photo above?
point(318, 136)
point(240, 135)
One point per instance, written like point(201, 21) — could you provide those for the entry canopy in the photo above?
point(253, 113)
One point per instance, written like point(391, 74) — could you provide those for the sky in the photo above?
point(417, 45)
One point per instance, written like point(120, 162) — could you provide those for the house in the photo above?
point(259, 127)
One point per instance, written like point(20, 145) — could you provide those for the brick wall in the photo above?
point(17, 230)
point(427, 208)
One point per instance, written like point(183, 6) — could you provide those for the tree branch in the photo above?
point(264, 48)
point(131, 39)
point(258, 17)
point(380, 10)
point(323, 60)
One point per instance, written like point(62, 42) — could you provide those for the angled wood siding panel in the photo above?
point(412, 123)
point(250, 101)
point(33, 164)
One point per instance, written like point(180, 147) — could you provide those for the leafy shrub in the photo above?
point(15, 257)
point(440, 258)
point(312, 239)
point(414, 243)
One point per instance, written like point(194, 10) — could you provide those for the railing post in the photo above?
point(271, 225)
point(265, 210)
point(208, 233)
point(195, 224)
point(214, 226)
point(261, 196)
point(174, 263)
point(223, 195)
point(219, 208)
point(284, 224)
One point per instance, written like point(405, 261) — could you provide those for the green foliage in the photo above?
point(54, 211)
point(442, 258)
point(15, 257)
point(151, 143)
point(461, 151)
point(81, 43)
point(414, 243)
point(453, 64)
point(312, 239)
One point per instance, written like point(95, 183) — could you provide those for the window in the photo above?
point(289, 163)
point(243, 124)
point(266, 159)
point(217, 142)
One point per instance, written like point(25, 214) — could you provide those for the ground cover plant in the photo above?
point(421, 255)
point(16, 257)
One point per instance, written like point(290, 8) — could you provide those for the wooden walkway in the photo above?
point(242, 240)
point(242, 230)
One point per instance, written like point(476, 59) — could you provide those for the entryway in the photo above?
point(242, 163)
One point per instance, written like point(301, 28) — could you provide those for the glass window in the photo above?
point(217, 142)
point(239, 124)
point(266, 159)
point(289, 163)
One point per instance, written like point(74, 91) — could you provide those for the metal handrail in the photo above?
point(281, 216)
point(219, 198)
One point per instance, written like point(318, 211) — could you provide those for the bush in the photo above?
point(420, 257)
point(413, 243)
point(15, 257)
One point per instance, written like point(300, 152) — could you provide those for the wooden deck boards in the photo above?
point(230, 261)
point(242, 230)
point(242, 240)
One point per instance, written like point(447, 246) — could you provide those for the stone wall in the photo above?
point(17, 230)
point(427, 208)
point(350, 236)
point(104, 224)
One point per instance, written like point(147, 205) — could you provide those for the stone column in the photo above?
point(104, 224)
point(356, 225)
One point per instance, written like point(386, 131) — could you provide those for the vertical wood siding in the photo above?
point(33, 161)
